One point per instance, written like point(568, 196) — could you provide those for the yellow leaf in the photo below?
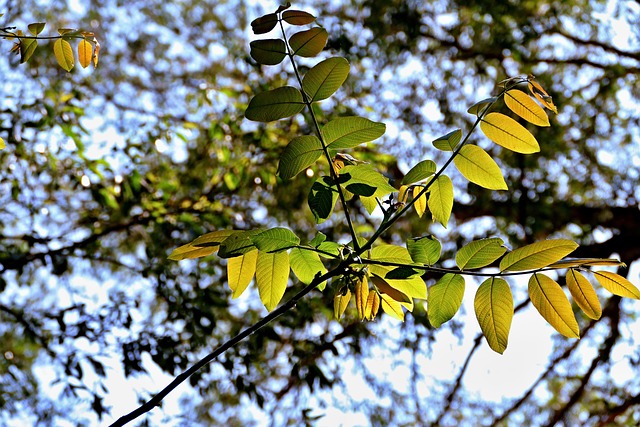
point(85, 52)
point(478, 167)
point(2, 144)
point(392, 307)
point(541, 95)
point(95, 53)
point(403, 194)
point(385, 288)
point(583, 294)
point(420, 204)
point(537, 255)
point(373, 305)
point(362, 296)
point(340, 303)
point(587, 262)
point(617, 284)
point(272, 274)
point(493, 305)
point(441, 199)
point(64, 54)
point(505, 131)
point(552, 304)
point(525, 107)
point(204, 245)
point(240, 271)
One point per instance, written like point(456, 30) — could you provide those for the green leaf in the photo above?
point(318, 239)
point(391, 307)
point(348, 132)
point(27, 47)
point(298, 17)
point(264, 24)
point(583, 294)
point(493, 305)
point(275, 239)
point(363, 180)
point(275, 104)
point(268, 52)
point(240, 272)
point(478, 167)
point(322, 198)
point(525, 107)
point(36, 28)
point(444, 299)
point(401, 273)
point(64, 54)
point(325, 78)
point(413, 287)
point(552, 304)
point(424, 250)
point(617, 284)
point(537, 255)
point(215, 238)
point(422, 170)
point(480, 253)
point(306, 265)
point(505, 131)
point(309, 43)
point(441, 199)
point(272, 274)
point(300, 153)
point(204, 245)
point(449, 141)
point(481, 107)
point(237, 244)
point(329, 248)
point(385, 288)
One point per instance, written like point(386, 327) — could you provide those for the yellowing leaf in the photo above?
point(340, 303)
point(493, 305)
point(306, 265)
point(64, 54)
point(525, 107)
point(298, 17)
point(391, 307)
point(478, 167)
point(617, 284)
point(583, 294)
point(480, 253)
point(309, 43)
point(36, 28)
point(362, 296)
point(2, 144)
point(541, 95)
point(420, 204)
point(505, 131)
point(240, 271)
point(204, 245)
point(552, 304)
point(441, 199)
point(587, 262)
point(385, 288)
point(85, 53)
point(373, 305)
point(27, 47)
point(272, 274)
point(537, 255)
point(444, 299)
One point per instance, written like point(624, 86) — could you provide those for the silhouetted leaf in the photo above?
point(268, 52)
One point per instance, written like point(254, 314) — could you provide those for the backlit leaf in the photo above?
point(493, 305)
point(482, 107)
point(204, 245)
point(552, 304)
point(264, 24)
point(505, 131)
point(64, 54)
point(391, 307)
point(478, 167)
point(537, 255)
point(480, 253)
point(309, 43)
point(541, 95)
point(36, 28)
point(322, 198)
point(419, 172)
point(424, 250)
point(300, 153)
point(27, 47)
point(420, 204)
point(237, 244)
point(340, 303)
point(2, 144)
point(298, 17)
point(306, 265)
point(275, 239)
point(583, 294)
point(617, 284)
point(349, 132)
point(272, 274)
point(325, 78)
point(385, 288)
point(363, 180)
point(362, 296)
point(85, 53)
point(441, 199)
point(372, 306)
point(449, 141)
point(525, 107)
point(275, 104)
point(268, 52)
point(240, 272)
point(587, 262)
point(444, 299)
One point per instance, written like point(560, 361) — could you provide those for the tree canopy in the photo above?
point(107, 170)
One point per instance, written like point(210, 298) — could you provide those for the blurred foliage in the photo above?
point(104, 172)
